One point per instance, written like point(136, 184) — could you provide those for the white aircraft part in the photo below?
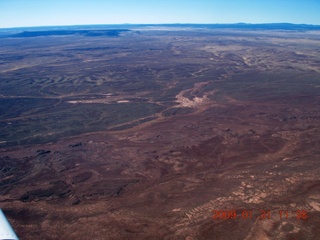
point(6, 231)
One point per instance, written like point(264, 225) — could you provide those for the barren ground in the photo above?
point(150, 133)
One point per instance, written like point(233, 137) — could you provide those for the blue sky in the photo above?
point(20, 13)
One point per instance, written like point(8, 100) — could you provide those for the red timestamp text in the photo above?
point(261, 214)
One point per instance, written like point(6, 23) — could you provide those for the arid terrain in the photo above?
point(159, 132)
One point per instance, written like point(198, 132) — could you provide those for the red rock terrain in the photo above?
point(234, 154)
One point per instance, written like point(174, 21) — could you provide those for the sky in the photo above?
point(24, 13)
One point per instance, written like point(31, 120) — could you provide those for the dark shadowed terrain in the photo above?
point(161, 132)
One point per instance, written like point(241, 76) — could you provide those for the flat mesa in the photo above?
point(168, 132)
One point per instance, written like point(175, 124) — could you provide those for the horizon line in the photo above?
point(159, 24)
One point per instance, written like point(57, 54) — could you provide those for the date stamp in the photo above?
point(260, 214)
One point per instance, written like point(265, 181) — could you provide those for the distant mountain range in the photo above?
point(115, 30)
point(266, 26)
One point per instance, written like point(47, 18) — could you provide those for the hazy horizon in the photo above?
point(156, 24)
point(34, 13)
